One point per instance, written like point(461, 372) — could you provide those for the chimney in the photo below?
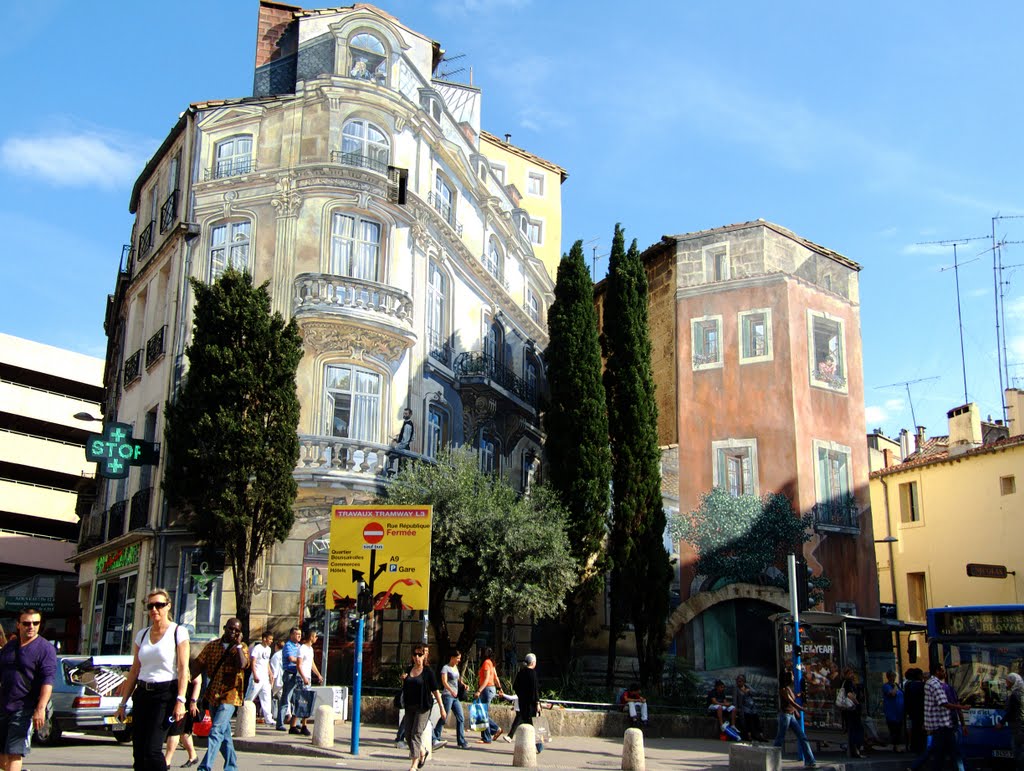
point(272, 26)
point(1013, 398)
point(964, 428)
point(919, 439)
point(905, 449)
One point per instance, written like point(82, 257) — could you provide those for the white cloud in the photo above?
point(929, 249)
point(895, 405)
point(875, 415)
point(74, 159)
point(478, 7)
point(1015, 308)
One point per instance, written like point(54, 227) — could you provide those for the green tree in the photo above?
point(640, 569)
point(502, 553)
point(577, 455)
point(737, 538)
point(231, 432)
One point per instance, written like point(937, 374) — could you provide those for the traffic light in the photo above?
point(803, 584)
point(364, 600)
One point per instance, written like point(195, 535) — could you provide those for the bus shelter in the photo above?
point(830, 642)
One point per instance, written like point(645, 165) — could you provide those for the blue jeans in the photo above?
point(220, 740)
point(453, 705)
point(786, 722)
point(290, 681)
point(486, 696)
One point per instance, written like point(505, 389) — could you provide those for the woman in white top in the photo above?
point(307, 668)
point(156, 682)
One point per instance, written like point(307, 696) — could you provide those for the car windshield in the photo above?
point(101, 679)
point(977, 671)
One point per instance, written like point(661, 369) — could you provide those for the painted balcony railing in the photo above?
point(115, 519)
point(326, 456)
point(324, 293)
point(479, 364)
point(446, 210)
point(139, 517)
point(837, 515)
point(359, 161)
point(230, 167)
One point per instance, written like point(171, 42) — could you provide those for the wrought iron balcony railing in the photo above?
point(155, 347)
point(133, 368)
point(139, 517)
point(168, 212)
point(837, 515)
point(146, 239)
point(230, 167)
point(440, 350)
point(359, 161)
point(479, 364)
point(446, 210)
point(115, 519)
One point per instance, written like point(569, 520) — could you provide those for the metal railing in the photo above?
point(139, 517)
point(115, 519)
point(169, 211)
point(359, 161)
point(440, 351)
point(146, 239)
point(837, 514)
point(155, 347)
point(446, 210)
point(133, 368)
point(231, 167)
point(479, 364)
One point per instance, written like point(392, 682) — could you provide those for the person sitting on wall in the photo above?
point(635, 703)
point(718, 704)
point(400, 444)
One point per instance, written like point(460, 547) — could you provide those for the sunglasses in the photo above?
point(156, 605)
point(30, 623)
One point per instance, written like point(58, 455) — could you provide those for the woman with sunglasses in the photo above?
point(419, 689)
point(156, 682)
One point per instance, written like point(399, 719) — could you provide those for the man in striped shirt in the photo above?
point(939, 721)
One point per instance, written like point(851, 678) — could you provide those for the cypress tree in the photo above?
point(640, 570)
point(576, 450)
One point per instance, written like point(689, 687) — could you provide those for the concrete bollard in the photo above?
point(246, 726)
point(524, 755)
point(633, 750)
point(323, 726)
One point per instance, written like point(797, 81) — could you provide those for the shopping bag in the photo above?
point(870, 730)
point(202, 727)
point(843, 701)
point(478, 716)
point(542, 730)
point(732, 733)
point(302, 701)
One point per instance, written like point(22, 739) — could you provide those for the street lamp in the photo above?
point(86, 417)
point(887, 539)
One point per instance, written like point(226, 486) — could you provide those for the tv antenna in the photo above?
point(959, 315)
point(1000, 298)
point(446, 74)
point(906, 384)
point(592, 243)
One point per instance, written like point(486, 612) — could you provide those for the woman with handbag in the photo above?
point(419, 689)
point(307, 669)
point(851, 712)
point(156, 682)
point(488, 685)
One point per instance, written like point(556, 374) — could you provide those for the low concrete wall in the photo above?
point(379, 710)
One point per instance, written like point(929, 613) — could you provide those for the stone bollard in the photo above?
point(323, 726)
point(633, 750)
point(525, 753)
point(246, 726)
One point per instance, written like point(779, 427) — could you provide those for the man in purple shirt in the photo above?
point(27, 667)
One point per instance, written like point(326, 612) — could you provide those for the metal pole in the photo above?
point(357, 685)
point(794, 606)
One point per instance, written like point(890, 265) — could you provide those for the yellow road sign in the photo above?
point(386, 546)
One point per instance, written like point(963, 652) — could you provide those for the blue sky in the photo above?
point(868, 127)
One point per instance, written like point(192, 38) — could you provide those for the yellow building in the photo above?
point(952, 503)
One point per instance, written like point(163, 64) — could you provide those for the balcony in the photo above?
point(230, 167)
point(168, 212)
point(115, 520)
point(359, 161)
point(146, 240)
point(91, 532)
point(837, 516)
point(155, 347)
point(475, 368)
point(439, 350)
point(446, 210)
point(133, 368)
point(139, 517)
point(384, 308)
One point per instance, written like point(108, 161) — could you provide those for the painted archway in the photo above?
point(700, 602)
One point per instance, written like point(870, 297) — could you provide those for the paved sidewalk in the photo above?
point(377, 751)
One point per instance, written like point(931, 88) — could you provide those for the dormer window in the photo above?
point(368, 57)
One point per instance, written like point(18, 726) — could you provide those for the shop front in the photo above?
point(111, 622)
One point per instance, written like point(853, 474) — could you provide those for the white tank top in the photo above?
point(157, 662)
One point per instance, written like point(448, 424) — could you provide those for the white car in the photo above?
point(86, 694)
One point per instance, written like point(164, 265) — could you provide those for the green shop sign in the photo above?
point(125, 557)
point(116, 451)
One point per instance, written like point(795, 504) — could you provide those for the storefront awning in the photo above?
point(815, 618)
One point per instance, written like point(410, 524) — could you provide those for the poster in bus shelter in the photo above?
point(389, 547)
point(820, 662)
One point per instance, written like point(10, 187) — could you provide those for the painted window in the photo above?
point(494, 260)
point(494, 344)
point(229, 247)
point(355, 246)
point(487, 449)
point(365, 145)
point(755, 335)
point(827, 351)
point(535, 183)
point(535, 232)
point(369, 59)
point(444, 199)
point(532, 305)
point(910, 510)
point(833, 476)
point(437, 312)
point(707, 342)
point(499, 172)
point(530, 374)
point(1007, 485)
point(716, 262)
point(233, 156)
point(353, 399)
point(734, 464)
point(917, 596)
point(437, 431)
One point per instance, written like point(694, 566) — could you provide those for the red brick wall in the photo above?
point(271, 27)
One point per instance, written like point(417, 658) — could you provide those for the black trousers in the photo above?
point(520, 719)
point(150, 710)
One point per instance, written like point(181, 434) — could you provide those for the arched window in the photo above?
point(494, 261)
point(233, 156)
point(437, 314)
point(530, 373)
point(353, 397)
point(229, 247)
point(487, 450)
point(365, 145)
point(355, 246)
point(369, 59)
point(437, 431)
point(444, 199)
point(494, 345)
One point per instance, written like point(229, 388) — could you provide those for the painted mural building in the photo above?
point(415, 251)
point(756, 355)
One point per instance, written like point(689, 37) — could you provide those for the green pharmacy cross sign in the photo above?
point(116, 451)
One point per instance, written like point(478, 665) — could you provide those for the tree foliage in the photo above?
point(231, 433)
point(577, 454)
point(739, 538)
point(501, 553)
point(640, 573)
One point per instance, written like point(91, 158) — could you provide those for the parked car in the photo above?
point(86, 692)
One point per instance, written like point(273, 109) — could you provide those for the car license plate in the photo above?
point(118, 725)
point(1002, 753)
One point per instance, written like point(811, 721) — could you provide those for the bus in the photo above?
point(980, 645)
